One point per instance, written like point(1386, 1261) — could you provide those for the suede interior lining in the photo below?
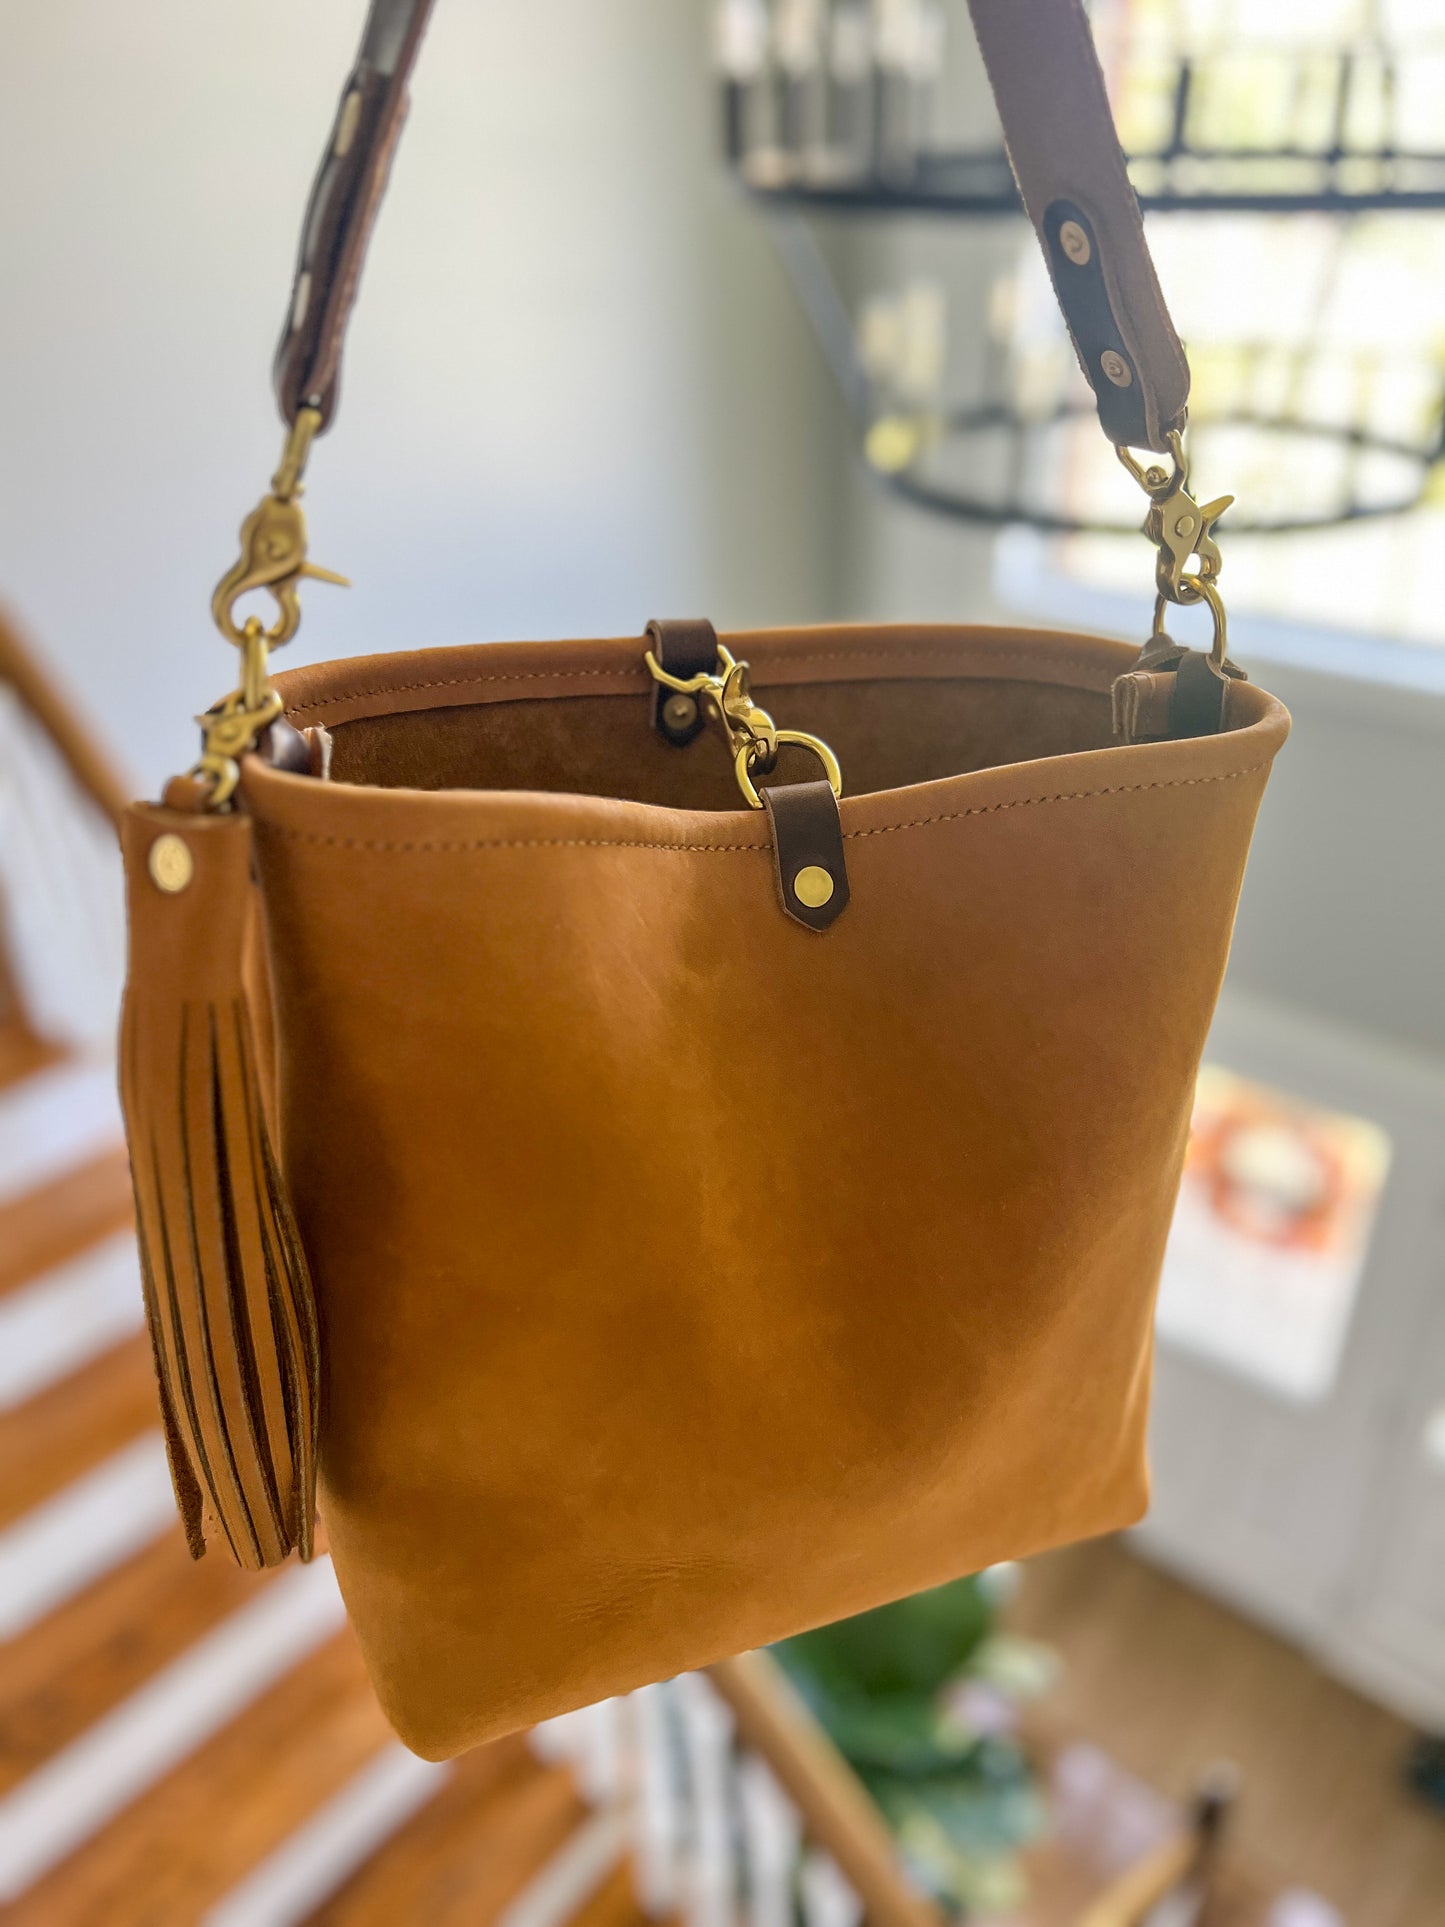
point(887, 735)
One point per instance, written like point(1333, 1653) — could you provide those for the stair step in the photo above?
point(60, 1433)
point(330, 1844)
point(64, 1116)
point(71, 1668)
point(496, 1821)
point(65, 1317)
point(22, 1053)
point(614, 1904)
point(197, 1832)
point(42, 1228)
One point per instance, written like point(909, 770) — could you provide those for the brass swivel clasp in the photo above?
point(748, 728)
point(273, 557)
point(230, 728)
point(1178, 526)
point(273, 547)
point(1182, 531)
point(725, 697)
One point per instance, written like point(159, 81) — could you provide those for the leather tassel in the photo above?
point(228, 1294)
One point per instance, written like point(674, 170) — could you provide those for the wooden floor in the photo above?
point(1166, 1681)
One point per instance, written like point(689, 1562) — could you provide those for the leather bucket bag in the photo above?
point(671, 1139)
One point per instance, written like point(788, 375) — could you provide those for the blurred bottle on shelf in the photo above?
point(800, 87)
point(909, 37)
point(849, 138)
point(740, 40)
point(828, 91)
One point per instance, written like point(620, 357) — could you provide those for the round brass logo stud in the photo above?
point(170, 863)
point(679, 712)
point(1116, 368)
point(813, 886)
point(1075, 243)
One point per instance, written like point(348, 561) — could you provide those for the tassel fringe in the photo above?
point(228, 1293)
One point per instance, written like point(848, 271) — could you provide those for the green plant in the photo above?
point(919, 1696)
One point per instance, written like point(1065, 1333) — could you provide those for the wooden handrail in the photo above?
point(1191, 1857)
point(1133, 1896)
point(836, 1809)
point(95, 775)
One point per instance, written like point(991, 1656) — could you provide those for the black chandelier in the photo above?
point(830, 107)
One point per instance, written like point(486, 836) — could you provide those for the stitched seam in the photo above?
point(461, 682)
point(631, 843)
point(1062, 796)
point(478, 680)
point(509, 843)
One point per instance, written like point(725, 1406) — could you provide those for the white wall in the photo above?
point(577, 392)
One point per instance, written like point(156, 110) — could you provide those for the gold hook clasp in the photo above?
point(1178, 526)
point(273, 557)
point(725, 696)
point(1161, 648)
point(231, 727)
point(750, 730)
point(273, 547)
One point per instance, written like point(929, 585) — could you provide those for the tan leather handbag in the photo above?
point(720, 1154)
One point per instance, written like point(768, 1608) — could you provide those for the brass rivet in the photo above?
point(813, 886)
point(679, 713)
point(171, 864)
point(1075, 243)
point(1184, 525)
point(1116, 368)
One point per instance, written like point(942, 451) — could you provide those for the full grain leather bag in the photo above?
point(653, 1223)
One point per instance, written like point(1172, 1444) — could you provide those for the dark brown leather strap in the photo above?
point(343, 206)
point(1199, 698)
point(685, 649)
point(1181, 693)
point(1066, 157)
point(1061, 141)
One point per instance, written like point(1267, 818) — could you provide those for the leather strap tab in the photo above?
point(343, 206)
point(1066, 157)
point(1188, 698)
point(1078, 276)
point(808, 863)
point(684, 649)
point(1199, 699)
point(285, 748)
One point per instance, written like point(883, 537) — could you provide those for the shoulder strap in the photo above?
point(1061, 143)
point(344, 200)
point(1066, 158)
